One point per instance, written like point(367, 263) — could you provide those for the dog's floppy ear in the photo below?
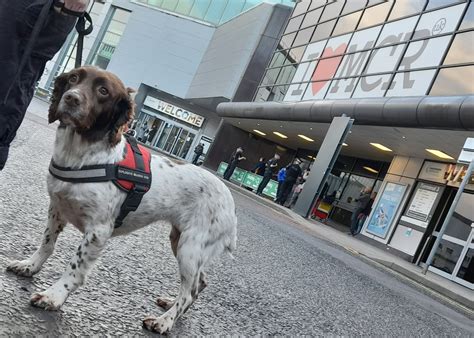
point(59, 88)
point(124, 111)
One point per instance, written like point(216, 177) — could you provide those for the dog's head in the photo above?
point(94, 102)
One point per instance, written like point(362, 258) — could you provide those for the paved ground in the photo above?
point(282, 281)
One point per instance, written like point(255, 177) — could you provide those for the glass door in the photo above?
point(453, 256)
point(183, 143)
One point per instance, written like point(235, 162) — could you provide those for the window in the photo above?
point(375, 15)
point(406, 8)
point(316, 4)
point(232, 9)
point(111, 38)
point(215, 11)
point(371, 86)
point(294, 24)
point(200, 8)
point(295, 54)
point(454, 81)
point(303, 36)
point(287, 40)
point(270, 76)
point(184, 6)
point(332, 10)
point(425, 53)
point(352, 6)
point(468, 21)
point(439, 22)
point(301, 7)
point(311, 18)
point(286, 74)
point(347, 23)
point(323, 30)
point(441, 3)
point(169, 5)
point(404, 83)
point(462, 49)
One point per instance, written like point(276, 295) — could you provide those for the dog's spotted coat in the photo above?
point(94, 107)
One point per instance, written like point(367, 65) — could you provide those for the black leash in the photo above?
point(81, 29)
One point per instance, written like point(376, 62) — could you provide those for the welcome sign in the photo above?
point(175, 111)
point(341, 67)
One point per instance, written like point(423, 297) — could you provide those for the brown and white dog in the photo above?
point(94, 108)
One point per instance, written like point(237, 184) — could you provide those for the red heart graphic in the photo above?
point(327, 68)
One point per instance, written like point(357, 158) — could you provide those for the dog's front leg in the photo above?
point(87, 253)
point(32, 265)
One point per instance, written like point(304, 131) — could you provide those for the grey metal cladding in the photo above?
point(440, 112)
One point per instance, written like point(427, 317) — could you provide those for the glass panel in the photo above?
point(440, 3)
point(294, 24)
point(215, 11)
point(332, 10)
point(354, 188)
point(317, 3)
point(301, 7)
point(375, 15)
point(468, 21)
point(286, 74)
point(406, 8)
point(295, 54)
point(169, 5)
point(287, 40)
point(384, 59)
point(454, 81)
point(462, 49)
point(466, 270)
point(155, 128)
point(187, 145)
point(164, 135)
point(439, 22)
point(303, 36)
point(184, 6)
point(171, 138)
point(424, 53)
point(347, 23)
point(199, 8)
point(371, 86)
point(233, 9)
point(352, 6)
point(277, 60)
point(278, 93)
point(463, 217)
point(262, 94)
point(180, 142)
point(311, 18)
point(271, 76)
point(411, 83)
point(447, 256)
point(323, 30)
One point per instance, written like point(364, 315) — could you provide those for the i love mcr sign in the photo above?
point(352, 65)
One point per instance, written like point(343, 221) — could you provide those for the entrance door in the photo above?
point(183, 143)
point(454, 255)
point(174, 139)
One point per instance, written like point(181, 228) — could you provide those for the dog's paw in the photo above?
point(165, 302)
point(161, 325)
point(45, 301)
point(22, 268)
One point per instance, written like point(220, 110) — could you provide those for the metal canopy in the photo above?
point(439, 112)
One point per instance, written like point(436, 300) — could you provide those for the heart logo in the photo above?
point(327, 68)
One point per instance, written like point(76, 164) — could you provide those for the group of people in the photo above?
point(287, 177)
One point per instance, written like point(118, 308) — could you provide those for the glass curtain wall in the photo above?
point(215, 12)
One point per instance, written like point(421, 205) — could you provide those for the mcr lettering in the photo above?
point(362, 64)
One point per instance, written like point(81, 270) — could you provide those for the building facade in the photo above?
point(403, 70)
point(182, 58)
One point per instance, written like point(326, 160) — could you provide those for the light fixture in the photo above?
point(280, 134)
point(372, 170)
point(311, 157)
point(259, 132)
point(380, 146)
point(439, 154)
point(345, 145)
point(311, 128)
point(306, 138)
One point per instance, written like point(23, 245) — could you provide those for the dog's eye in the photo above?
point(73, 78)
point(103, 91)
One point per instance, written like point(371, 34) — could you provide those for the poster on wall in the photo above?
point(423, 202)
point(386, 208)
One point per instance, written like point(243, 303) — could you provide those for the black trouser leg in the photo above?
point(263, 184)
point(286, 189)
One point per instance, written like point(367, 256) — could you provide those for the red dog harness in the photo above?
point(132, 175)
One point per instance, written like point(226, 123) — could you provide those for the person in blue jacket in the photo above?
point(281, 178)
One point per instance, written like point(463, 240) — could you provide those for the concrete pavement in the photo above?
point(284, 280)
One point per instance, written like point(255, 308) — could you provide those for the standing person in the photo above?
point(270, 168)
point(141, 132)
point(152, 133)
point(298, 189)
point(293, 172)
point(236, 157)
point(280, 178)
point(365, 213)
point(362, 202)
point(198, 152)
point(23, 56)
point(259, 168)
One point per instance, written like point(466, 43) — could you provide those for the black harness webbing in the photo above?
point(112, 172)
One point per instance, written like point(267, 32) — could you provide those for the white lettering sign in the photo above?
point(337, 75)
point(176, 112)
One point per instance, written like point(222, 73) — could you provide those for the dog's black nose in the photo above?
point(72, 99)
